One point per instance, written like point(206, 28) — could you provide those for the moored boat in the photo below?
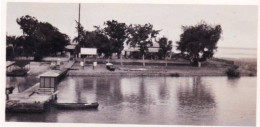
point(110, 67)
point(76, 106)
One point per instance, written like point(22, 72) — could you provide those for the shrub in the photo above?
point(233, 72)
point(175, 75)
point(251, 74)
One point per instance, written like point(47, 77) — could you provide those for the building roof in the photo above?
point(131, 49)
point(51, 73)
point(9, 63)
point(70, 47)
point(19, 63)
point(153, 49)
point(137, 49)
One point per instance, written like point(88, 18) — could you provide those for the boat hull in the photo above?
point(75, 106)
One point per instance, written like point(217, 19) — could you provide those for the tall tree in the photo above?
point(142, 36)
point(92, 39)
point(165, 46)
point(199, 42)
point(28, 24)
point(41, 38)
point(117, 34)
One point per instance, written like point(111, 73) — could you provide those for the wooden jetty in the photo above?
point(39, 96)
point(28, 102)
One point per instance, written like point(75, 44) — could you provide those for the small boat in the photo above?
point(75, 106)
point(110, 67)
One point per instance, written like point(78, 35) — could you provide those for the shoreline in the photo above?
point(127, 74)
point(213, 67)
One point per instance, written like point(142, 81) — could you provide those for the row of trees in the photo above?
point(111, 38)
point(39, 39)
point(197, 43)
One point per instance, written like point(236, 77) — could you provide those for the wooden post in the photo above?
point(143, 60)
point(166, 64)
point(83, 63)
point(7, 96)
point(121, 60)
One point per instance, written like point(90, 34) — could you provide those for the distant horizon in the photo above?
point(238, 47)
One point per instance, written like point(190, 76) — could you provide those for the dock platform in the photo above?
point(36, 98)
point(28, 101)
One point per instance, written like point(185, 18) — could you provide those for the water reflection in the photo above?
point(163, 90)
point(156, 100)
point(50, 116)
point(196, 102)
point(233, 81)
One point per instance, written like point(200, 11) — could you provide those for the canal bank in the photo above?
point(213, 67)
point(31, 100)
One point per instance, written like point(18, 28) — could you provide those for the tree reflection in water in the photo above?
point(163, 90)
point(196, 101)
point(155, 100)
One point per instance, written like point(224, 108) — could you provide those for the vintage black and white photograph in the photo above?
point(131, 63)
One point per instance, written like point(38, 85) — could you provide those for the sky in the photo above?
point(239, 22)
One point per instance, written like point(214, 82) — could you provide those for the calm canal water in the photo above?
point(155, 100)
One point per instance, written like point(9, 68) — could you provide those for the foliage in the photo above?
point(199, 42)
point(28, 24)
point(9, 53)
point(117, 34)
point(110, 39)
point(135, 55)
point(233, 72)
point(174, 74)
point(165, 46)
point(92, 39)
point(142, 36)
point(14, 46)
point(83, 37)
point(40, 38)
point(104, 45)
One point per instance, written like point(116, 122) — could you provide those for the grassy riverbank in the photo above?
point(246, 64)
point(213, 67)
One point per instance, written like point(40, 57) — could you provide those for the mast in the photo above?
point(79, 13)
point(79, 19)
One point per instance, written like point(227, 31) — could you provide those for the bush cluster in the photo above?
point(175, 75)
point(233, 72)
